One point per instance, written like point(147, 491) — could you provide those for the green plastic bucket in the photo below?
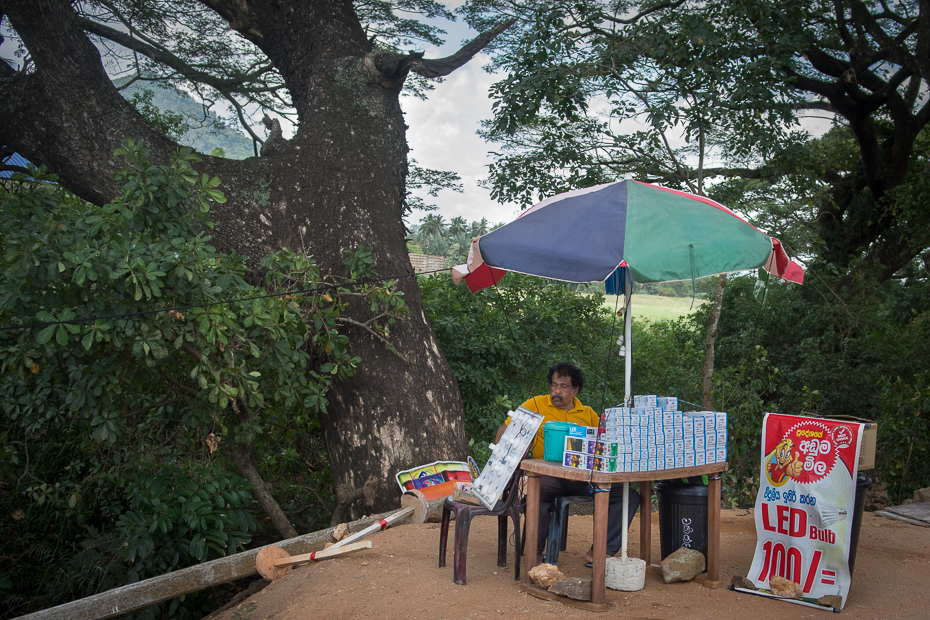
point(554, 440)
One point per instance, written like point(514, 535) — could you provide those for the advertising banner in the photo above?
point(805, 506)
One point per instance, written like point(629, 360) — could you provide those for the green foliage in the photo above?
point(206, 511)
point(170, 123)
point(596, 91)
point(119, 415)
point(903, 433)
point(745, 391)
point(502, 341)
point(452, 240)
point(590, 97)
point(667, 357)
point(810, 350)
point(432, 181)
point(806, 350)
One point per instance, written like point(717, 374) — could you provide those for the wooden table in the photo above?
point(535, 468)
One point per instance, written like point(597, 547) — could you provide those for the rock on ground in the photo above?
point(831, 600)
point(544, 575)
point(341, 531)
point(876, 498)
point(784, 587)
point(683, 565)
point(739, 581)
point(922, 495)
point(573, 587)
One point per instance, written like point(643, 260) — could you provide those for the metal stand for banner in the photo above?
point(807, 602)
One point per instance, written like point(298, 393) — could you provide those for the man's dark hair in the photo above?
point(567, 370)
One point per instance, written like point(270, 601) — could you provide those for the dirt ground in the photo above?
point(399, 578)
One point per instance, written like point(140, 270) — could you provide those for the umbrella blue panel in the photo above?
point(578, 238)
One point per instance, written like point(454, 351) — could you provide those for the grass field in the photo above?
point(657, 307)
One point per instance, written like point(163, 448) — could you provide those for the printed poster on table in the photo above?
point(806, 503)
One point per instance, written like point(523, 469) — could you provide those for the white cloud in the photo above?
point(442, 136)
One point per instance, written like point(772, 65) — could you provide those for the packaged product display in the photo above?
point(648, 438)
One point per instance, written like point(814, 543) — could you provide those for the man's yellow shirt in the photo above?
point(579, 414)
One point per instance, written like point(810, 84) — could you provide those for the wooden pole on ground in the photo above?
point(274, 562)
point(376, 527)
point(194, 578)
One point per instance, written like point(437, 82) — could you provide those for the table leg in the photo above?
point(601, 508)
point(645, 521)
point(713, 532)
point(532, 525)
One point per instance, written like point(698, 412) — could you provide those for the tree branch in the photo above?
point(163, 56)
point(236, 14)
point(13, 168)
point(638, 16)
point(344, 319)
point(177, 384)
point(444, 66)
point(241, 456)
point(347, 497)
point(190, 350)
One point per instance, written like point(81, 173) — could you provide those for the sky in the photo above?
point(442, 134)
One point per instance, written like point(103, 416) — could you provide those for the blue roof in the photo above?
point(13, 160)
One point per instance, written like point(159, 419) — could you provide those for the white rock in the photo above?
point(626, 574)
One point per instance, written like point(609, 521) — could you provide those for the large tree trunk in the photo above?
point(337, 184)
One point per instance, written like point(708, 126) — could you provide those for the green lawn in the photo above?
point(657, 307)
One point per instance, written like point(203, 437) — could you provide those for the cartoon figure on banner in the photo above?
point(806, 453)
point(783, 462)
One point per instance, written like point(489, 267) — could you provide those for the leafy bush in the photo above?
point(820, 352)
point(121, 421)
point(502, 341)
point(903, 433)
point(805, 350)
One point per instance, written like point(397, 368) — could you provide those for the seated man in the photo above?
point(561, 405)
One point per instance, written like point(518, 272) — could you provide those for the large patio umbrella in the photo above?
point(622, 232)
point(661, 234)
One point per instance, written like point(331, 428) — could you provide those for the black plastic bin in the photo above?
point(863, 483)
point(682, 516)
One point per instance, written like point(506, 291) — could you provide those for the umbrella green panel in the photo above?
point(671, 236)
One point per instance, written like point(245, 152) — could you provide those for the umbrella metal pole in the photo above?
point(626, 517)
point(627, 401)
point(628, 357)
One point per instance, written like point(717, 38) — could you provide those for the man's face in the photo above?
point(562, 392)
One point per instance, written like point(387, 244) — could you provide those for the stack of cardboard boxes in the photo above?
point(650, 436)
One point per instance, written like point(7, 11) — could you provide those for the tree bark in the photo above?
point(337, 184)
point(241, 455)
point(712, 322)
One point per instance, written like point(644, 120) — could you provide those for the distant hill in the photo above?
point(203, 139)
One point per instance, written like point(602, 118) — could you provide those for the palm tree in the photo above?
point(437, 246)
point(458, 247)
point(431, 227)
point(457, 226)
point(479, 228)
